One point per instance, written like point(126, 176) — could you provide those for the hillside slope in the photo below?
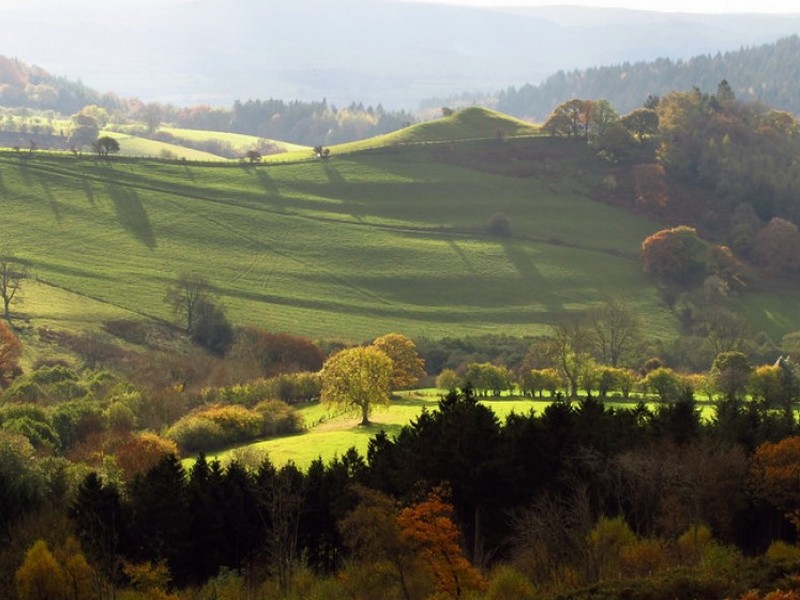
point(354, 246)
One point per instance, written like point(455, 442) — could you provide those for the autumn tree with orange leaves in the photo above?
point(675, 255)
point(429, 526)
point(775, 476)
point(10, 353)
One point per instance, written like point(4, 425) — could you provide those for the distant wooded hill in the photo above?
point(769, 73)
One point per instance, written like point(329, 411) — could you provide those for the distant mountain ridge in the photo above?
point(385, 52)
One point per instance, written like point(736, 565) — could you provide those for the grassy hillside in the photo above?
point(470, 124)
point(239, 142)
point(354, 246)
point(131, 145)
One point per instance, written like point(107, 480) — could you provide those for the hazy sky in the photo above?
point(695, 6)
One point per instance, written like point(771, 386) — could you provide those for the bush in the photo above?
point(278, 418)
point(291, 388)
point(215, 427)
point(196, 434)
point(51, 375)
point(499, 225)
point(75, 420)
point(31, 422)
point(24, 390)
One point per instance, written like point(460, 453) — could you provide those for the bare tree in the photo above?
point(12, 272)
point(616, 329)
point(187, 296)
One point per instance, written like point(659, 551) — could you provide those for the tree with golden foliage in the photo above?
point(357, 378)
point(408, 368)
point(137, 453)
point(40, 577)
point(429, 525)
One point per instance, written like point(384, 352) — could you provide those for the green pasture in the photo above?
point(238, 141)
point(352, 247)
point(131, 145)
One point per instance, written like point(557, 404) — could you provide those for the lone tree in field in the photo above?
point(106, 145)
point(187, 297)
point(357, 378)
point(11, 275)
point(253, 156)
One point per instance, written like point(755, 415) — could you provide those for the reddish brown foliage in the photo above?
point(675, 255)
point(10, 353)
point(276, 353)
point(429, 525)
point(777, 246)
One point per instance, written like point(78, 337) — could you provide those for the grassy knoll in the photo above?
point(354, 246)
point(465, 125)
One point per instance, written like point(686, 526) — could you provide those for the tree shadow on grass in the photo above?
point(530, 273)
point(87, 189)
point(267, 183)
point(333, 175)
point(462, 255)
point(131, 214)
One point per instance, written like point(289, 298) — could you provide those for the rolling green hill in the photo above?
point(364, 243)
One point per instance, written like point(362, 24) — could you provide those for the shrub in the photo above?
point(499, 225)
point(506, 583)
point(216, 426)
point(196, 434)
point(51, 375)
point(278, 418)
point(76, 420)
point(24, 390)
point(291, 388)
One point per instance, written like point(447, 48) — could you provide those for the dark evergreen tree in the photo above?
point(160, 518)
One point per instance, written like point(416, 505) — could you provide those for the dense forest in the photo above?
point(763, 73)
